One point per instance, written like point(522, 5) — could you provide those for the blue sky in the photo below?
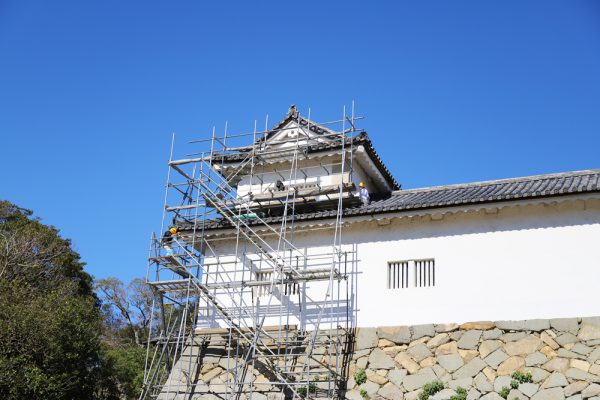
point(459, 91)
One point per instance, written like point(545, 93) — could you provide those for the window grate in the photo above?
point(397, 275)
point(424, 273)
point(401, 276)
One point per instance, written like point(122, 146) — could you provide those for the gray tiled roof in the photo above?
point(537, 186)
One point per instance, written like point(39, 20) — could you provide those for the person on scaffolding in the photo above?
point(167, 240)
point(363, 194)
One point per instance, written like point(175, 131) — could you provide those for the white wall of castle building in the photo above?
point(521, 261)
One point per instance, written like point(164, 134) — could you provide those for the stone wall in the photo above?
point(562, 356)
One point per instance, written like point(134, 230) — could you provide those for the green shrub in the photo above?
point(360, 377)
point(504, 392)
point(430, 389)
point(522, 377)
point(461, 394)
point(514, 384)
point(364, 394)
point(305, 390)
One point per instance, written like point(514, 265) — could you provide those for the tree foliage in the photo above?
point(126, 309)
point(49, 342)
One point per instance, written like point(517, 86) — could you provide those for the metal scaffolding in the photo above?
point(238, 277)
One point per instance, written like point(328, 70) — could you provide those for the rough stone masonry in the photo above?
point(562, 356)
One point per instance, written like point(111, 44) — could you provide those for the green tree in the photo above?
point(126, 309)
point(49, 341)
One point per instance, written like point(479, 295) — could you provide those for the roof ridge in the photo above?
point(523, 179)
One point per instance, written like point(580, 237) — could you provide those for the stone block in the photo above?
point(396, 376)
point(549, 340)
point(565, 325)
point(464, 383)
point(594, 355)
point(439, 370)
point(469, 340)
point(529, 389)
point(417, 381)
point(513, 336)
point(580, 364)
point(537, 374)
point(523, 346)
point(447, 348)
point(575, 387)
point(407, 363)
point(555, 379)
point(577, 374)
point(490, 374)
point(589, 331)
point(492, 334)
point(383, 343)
point(591, 391)
point(510, 325)
point(496, 358)
point(379, 360)
point(482, 383)
point(516, 394)
point(446, 327)
point(534, 359)
point(566, 338)
point(393, 350)
point(576, 397)
point(536, 325)
point(360, 353)
point(591, 320)
point(351, 395)
point(492, 396)
point(418, 331)
point(501, 382)
point(473, 394)
point(510, 365)
point(375, 377)
point(488, 346)
point(366, 339)
point(569, 354)
point(548, 352)
point(480, 325)
point(370, 387)
point(428, 362)
point(549, 394)
point(390, 391)
point(581, 348)
point(213, 373)
point(419, 352)
point(468, 355)
point(362, 363)
point(422, 340)
point(450, 362)
point(438, 339)
point(414, 395)
point(557, 364)
point(595, 369)
point(396, 334)
point(470, 369)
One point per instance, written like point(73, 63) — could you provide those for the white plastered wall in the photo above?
point(522, 260)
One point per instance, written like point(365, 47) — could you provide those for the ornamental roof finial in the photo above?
point(293, 111)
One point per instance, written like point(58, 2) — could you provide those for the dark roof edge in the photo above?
point(529, 178)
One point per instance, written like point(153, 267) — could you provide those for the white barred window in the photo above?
point(411, 273)
point(397, 275)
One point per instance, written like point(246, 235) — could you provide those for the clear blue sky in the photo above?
point(454, 92)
